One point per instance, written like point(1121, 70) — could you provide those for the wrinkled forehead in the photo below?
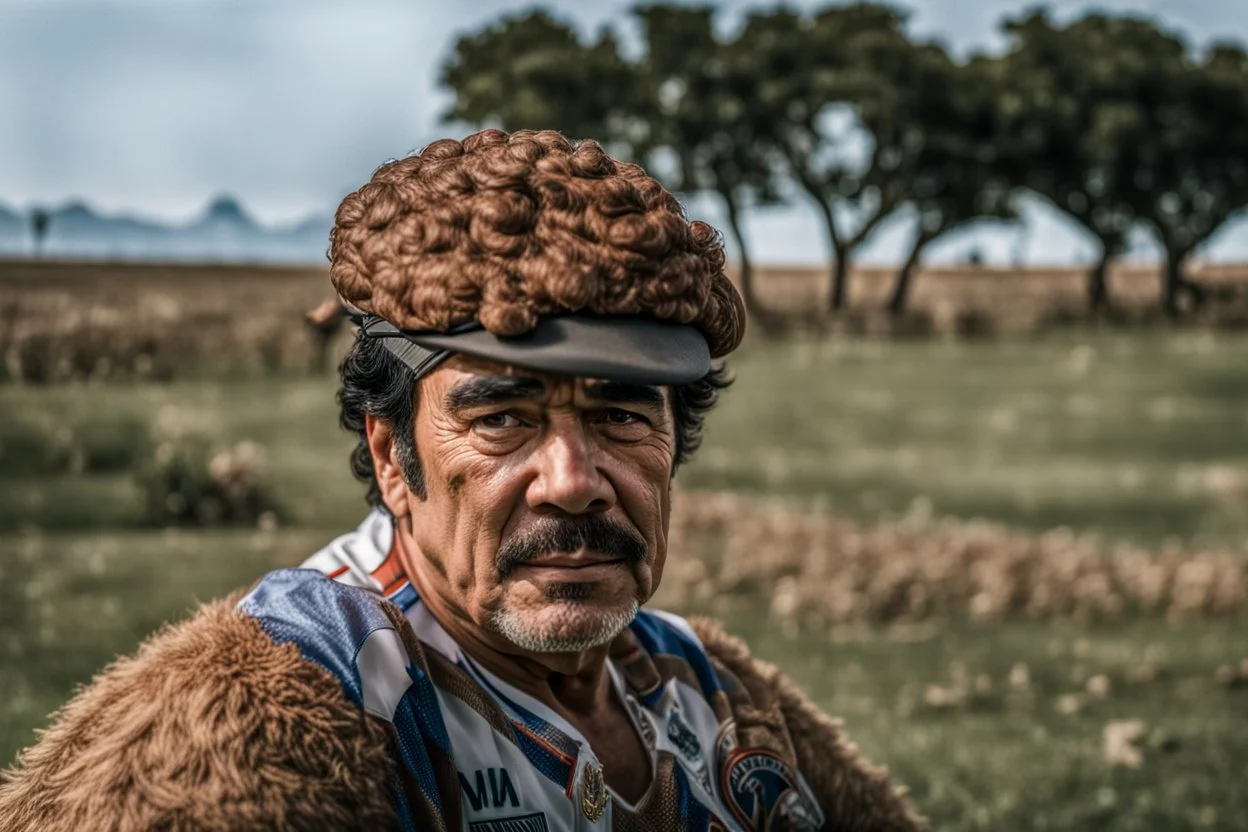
point(463, 382)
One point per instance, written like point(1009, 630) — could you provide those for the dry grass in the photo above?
point(68, 320)
point(817, 570)
point(972, 301)
point(63, 320)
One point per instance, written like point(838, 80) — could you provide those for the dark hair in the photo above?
point(374, 382)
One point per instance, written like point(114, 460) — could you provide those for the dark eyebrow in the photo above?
point(620, 392)
point(487, 390)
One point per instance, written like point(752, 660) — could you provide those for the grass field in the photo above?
point(62, 320)
point(1136, 437)
point(1139, 438)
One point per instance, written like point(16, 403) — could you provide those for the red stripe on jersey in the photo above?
point(390, 570)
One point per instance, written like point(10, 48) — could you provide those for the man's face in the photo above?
point(548, 498)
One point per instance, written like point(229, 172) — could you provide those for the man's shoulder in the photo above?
point(306, 606)
point(352, 632)
point(660, 631)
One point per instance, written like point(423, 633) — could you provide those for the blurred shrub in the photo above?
point(189, 480)
point(136, 323)
point(819, 570)
point(45, 447)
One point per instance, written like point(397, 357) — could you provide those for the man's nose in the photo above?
point(568, 477)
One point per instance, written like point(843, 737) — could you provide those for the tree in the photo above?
point(1194, 172)
point(677, 101)
point(958, 174)
point(1075, 120)
point(40, 220)
point(694, 103)
point(533, 71)
point(835, 101)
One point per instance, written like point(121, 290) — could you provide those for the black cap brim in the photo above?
point(636, 350)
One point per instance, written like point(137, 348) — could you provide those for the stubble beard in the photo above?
point(542, 637)
point(571, 617)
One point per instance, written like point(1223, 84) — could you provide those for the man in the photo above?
point(534, 361)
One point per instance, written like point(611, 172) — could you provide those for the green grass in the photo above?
point(294, 419)
point(1140, 437)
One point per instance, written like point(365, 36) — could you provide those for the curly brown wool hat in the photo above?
point(536, 251)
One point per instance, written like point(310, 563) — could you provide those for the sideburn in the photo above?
point(409, 463)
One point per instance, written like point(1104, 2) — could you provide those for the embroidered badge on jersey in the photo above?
point(766, 793)
point(593, 793)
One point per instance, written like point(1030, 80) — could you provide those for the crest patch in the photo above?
point(766, 794)
point(593, 793)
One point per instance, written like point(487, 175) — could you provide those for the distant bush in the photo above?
point(820, 570)
point(189, 480)
point(101, 322)
point(47, 447)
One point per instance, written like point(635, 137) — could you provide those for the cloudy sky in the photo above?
point(152, 107)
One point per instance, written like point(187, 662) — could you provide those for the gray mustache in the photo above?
point(565, 535)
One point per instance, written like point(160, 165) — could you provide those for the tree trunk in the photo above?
point(839, 273)
point(1098, 285)
point(901, 291)
point(840, 281)
point(748, 295)
point(1176, 283)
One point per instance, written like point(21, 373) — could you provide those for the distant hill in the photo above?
point(225, 232)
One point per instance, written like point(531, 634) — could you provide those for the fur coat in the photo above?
point(214, 726)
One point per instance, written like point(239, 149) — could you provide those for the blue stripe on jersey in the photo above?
point(537, 738)
point(550, 766)
point(696, 816)
point(659, 636)
point(411, 741)
point(329, 622)
point(406, 597)
point(402, 807)
point(525, 717)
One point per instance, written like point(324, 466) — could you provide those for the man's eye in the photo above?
point(498, 421)
point(615, 416)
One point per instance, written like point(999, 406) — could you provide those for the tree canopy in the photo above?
point(1113, 120)
point(532, 70)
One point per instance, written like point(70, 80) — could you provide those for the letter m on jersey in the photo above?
point(500, 791)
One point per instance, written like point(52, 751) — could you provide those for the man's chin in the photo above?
point(564, 625)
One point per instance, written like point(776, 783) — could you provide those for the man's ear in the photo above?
point(386, 467)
